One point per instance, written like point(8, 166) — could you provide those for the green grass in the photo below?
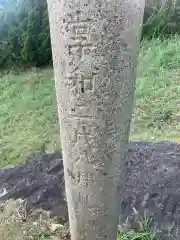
point(132, 235)
point(145, 230)
point(28, 115)
point(157, 110)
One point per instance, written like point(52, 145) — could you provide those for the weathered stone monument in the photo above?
point(95, 46)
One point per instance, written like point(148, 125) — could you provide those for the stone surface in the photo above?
point(152, 184)
point(95, 47)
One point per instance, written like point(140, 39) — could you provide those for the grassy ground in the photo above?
point(28, 121)
point(28, 116)
point(17, 224)
point(157, 110)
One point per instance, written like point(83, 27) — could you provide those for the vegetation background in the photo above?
point(25, 36)
point(28, 115)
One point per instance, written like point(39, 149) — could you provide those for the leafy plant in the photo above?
point(163, 21)
point(25, 35)
point(145, 231)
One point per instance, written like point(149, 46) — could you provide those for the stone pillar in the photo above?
point(95, 45)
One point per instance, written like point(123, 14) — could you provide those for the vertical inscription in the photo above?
point(94, 75)
point(79, 16)
point(80, 31)
point(79, 80)
point(78, 83)
point(85, 139)
point(83, 132)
